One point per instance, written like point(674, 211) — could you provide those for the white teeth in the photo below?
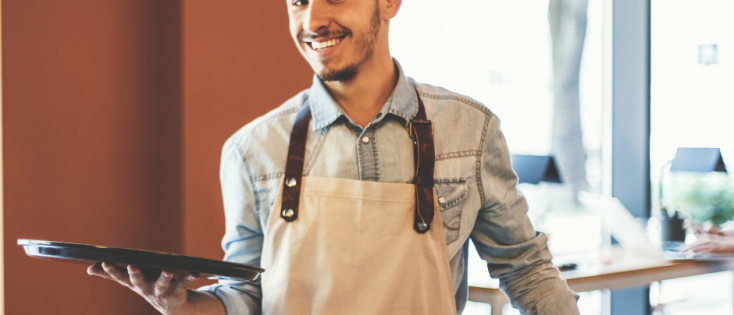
point(326, 44)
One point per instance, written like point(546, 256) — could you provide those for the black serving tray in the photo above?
point(151, 262)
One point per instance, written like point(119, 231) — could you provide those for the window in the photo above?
point(692, 105)
point(501, 54)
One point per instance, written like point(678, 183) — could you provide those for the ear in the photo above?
point(390, 8)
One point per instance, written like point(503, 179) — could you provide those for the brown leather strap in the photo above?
point(424, 157)
point(294, 165)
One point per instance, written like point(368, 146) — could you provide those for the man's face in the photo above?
point(335, 36)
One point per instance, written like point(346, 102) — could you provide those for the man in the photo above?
point(333, 192)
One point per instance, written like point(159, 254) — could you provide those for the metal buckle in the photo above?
point(425, 122)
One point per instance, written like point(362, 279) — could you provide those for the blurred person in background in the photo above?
point(712, 238)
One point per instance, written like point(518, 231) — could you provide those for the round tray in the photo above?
point(151, 262)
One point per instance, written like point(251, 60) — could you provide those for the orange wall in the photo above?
point(114, 114)
point(239, 63)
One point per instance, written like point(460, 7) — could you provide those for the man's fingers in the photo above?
point(694, 246)
point(163, 282)
point(722, 247)
point(117, 273)
point(97, 270)
point(184, 282)
point(700, 246)
point(138, 279)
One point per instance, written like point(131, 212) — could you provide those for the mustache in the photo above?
point(309, 37)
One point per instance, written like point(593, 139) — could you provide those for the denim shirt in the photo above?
point(473, 175)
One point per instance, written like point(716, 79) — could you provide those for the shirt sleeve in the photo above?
point(243, 238)
point(507, 241)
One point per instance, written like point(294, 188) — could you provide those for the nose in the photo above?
point(317, 17)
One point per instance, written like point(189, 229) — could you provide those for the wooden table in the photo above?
point(615, 269)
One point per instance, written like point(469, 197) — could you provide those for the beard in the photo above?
point(345, 74)
point(365, 44)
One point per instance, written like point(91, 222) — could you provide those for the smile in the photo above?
point(325, 44)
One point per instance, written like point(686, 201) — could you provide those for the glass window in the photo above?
point(692, 75)
point(501, 54)
point(692, 105)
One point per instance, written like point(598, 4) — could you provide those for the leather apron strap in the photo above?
point(424, 158)
point(421, 131)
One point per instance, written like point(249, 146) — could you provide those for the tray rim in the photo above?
point(111, 250)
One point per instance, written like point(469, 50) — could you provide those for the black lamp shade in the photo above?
point(533, 169)
point(700, 160)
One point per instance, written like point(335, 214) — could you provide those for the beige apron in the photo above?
point(351, 250)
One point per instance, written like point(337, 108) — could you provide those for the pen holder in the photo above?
point(671, 230)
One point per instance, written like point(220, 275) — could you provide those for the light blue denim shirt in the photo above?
point(473, 174)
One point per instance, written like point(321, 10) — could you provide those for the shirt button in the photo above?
point(366, 139)
point(441, 200)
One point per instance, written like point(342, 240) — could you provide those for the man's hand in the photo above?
point(167, 295)
point(711, 244)
point(707, 227)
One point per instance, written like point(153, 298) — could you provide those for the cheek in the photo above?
point(294, 35)
point(294, 26)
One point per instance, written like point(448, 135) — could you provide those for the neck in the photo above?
point(363, 96)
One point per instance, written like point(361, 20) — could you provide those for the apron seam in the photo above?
point(356, 197)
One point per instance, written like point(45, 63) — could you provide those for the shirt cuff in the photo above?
point(236, 302)
point(559, 303)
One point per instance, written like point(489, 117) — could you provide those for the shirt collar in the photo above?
point(402, 103)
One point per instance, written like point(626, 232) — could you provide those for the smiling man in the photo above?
point(361, 193)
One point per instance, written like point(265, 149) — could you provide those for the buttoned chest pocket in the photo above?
point(451, 195)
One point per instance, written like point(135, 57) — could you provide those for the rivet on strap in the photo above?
point(294, 165)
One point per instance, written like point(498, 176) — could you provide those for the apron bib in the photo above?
point(340, 246)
